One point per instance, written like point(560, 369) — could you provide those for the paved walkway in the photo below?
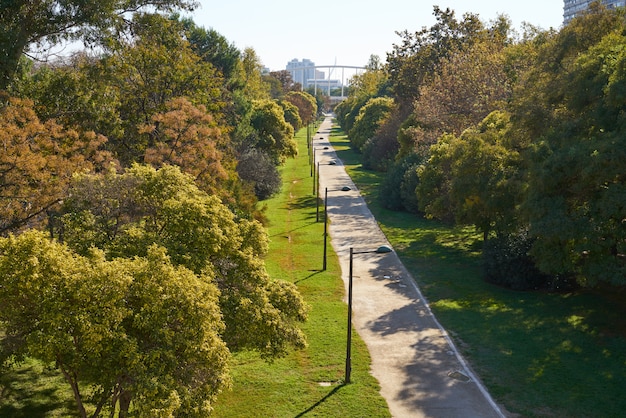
point(420, 371)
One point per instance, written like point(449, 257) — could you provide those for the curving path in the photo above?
point(420, 371)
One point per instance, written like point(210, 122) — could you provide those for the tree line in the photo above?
point(520, 136)
point(131, 233)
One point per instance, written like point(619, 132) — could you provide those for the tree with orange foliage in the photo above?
point(187, 136)
point(37, 162)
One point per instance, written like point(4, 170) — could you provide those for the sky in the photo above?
point(347, 32)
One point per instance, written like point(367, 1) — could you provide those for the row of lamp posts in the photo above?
point(380, 250)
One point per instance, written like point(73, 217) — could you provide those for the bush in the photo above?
point(370, 118)
point(379, 153)
point(257, 167)
point(397, 191)
point(507, 264)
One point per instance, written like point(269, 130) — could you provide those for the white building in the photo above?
point(304, 72)
point(571, 8)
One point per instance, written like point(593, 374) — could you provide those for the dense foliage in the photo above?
point(511, 134)
point(131, 248)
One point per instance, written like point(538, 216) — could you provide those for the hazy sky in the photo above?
point(347, 32)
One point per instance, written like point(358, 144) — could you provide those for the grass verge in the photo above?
point(539, 354)
point(306, 383)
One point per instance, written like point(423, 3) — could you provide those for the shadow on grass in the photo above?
point(305, 202)
point(33, 391)
point(321, 401)
point(286, 233)
point(315, 273)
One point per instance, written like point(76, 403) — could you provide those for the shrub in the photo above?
point(257, 167)
point(397, 191)
point(370, 118)
point(507, 264)
point(379, 153)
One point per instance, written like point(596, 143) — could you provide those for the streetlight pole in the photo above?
point(349, 336)
point(343, 189)
point(380, 250)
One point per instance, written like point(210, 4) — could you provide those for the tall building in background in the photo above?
point(304, 72)
point(571, 8)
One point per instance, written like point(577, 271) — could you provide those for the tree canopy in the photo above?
point(27, 23)
point(136, 330)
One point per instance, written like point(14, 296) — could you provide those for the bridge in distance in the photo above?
point(299, 75)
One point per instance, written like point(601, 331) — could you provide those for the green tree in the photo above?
point(474, 178)
point(370, 118)
point(75, 92)
point(251, 73)
point(127, 214)
point(213, 48)
point(273, 134)
point(136, 330)
point(156, 67)
point(24, 24)
point(292, 115)
point(575, 205)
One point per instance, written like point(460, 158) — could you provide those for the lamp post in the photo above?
point(380, 250)
point(343, 189)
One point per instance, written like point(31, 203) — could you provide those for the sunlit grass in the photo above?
point(307, 382)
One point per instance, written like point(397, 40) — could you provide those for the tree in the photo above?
point(415, 59)
point(370, 118)
point(251, 67)
point(474, 178)
point(137, 330)
point(575, 204)
point(257, 167)
point(468, 85)
point(273, 134)
point(125, 215)
point(285, 83)
point(26, 23)
point(292, 115)
point(306, 104)
point(75, 92)
point(188, 137)
point(213, 48)
point(156, 67)
point(37, 163)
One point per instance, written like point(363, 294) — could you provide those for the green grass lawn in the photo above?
point(307, 383)
point(539, 354)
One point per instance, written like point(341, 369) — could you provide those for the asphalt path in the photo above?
point(420, 371)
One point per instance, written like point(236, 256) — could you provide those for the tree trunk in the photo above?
point(74, 384)
point(11, 51)
point(125, 398)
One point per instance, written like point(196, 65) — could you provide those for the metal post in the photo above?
point(317, 183)
point(314, 172)
point(325, 226)
point(317, 200)
point(349, 342)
